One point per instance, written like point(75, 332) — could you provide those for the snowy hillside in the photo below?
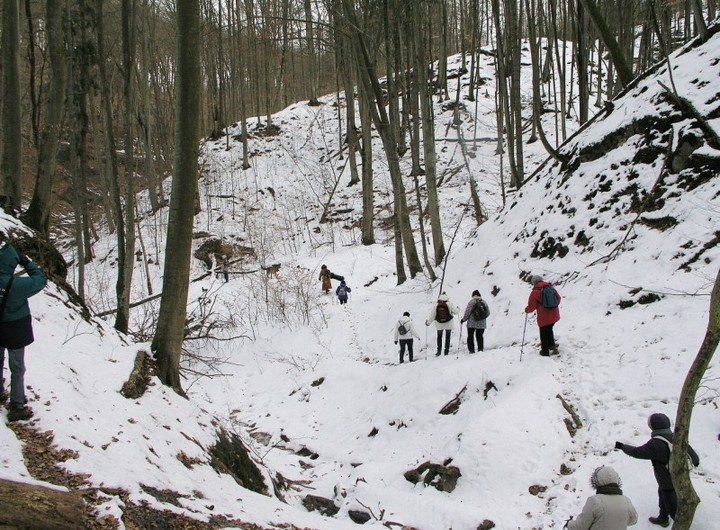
point(625, 226)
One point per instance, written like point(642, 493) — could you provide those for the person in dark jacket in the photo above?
point(475, 325)
point(546, 318)
point(657, 450)
point(342, 292)
point(16, 323)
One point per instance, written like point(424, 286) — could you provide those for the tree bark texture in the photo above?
point(11, 162)
point(168, 339)
point(687, 497)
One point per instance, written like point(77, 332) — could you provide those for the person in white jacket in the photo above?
point(608, 509)
point(442, 314)
point(404, 332)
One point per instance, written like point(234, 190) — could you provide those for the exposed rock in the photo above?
point(441, 477)
point(213, 249)
point(140, 377)
point(315, 503)
point(359, 516)
point(537, 489)
point(487, 524)
point(230, 456)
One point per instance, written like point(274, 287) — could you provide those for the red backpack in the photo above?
point(442, 312)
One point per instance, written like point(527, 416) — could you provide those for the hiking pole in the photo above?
point(426, 342)
point(457, 354)
point(523, 339)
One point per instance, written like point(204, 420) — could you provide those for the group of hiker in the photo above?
point(544, 300)
point(608, 508)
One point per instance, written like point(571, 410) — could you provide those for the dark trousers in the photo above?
point(667, 501)
point(406, 343)
point(547, 339)
point(475, 335)
point(447, 341)
point(343, 300)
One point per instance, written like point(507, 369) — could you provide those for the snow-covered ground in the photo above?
point(315, 389)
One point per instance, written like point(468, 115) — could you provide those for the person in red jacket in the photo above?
point(546, 316)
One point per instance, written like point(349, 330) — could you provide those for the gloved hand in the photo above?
point(619, 445)
point(23, 260)
point(395, 342)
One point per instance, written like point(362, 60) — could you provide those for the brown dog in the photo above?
point(271, 270)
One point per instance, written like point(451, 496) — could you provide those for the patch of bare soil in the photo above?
point(32, 507)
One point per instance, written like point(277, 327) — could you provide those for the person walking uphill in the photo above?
point(16, 323)
point(404, 332)
point(657, 450)
point(608, 509)
point(324, 277)
point(442, 314)
point(545, 300)
point(342, 293)
point(476, 312)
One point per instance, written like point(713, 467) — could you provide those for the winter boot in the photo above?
point(659, 521)
point(19, 412)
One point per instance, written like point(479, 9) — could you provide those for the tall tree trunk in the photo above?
point(428, 133)
point(126, 264)
point(368, 192)
point(168, 339)
point(581, 46)
point(32, 72)
point(687, 498)
point(312, 61)
point(111, 166)
point(40, 209)
point(384, 126)
point(155, 191)
point(11, 162)
point(622, 63)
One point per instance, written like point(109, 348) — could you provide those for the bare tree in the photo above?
point(38, 213)
point(168, 339)
point(687, 497)
point(11, 162)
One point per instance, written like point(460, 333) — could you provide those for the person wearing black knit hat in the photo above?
point(657, 450)
point(475, 314)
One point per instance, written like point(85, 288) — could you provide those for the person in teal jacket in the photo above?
point(16, 322)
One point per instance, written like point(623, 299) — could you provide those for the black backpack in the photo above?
point(402, 330)
point(442, 312)
point(480, 310)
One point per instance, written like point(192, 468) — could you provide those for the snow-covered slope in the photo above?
point(315, 389)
